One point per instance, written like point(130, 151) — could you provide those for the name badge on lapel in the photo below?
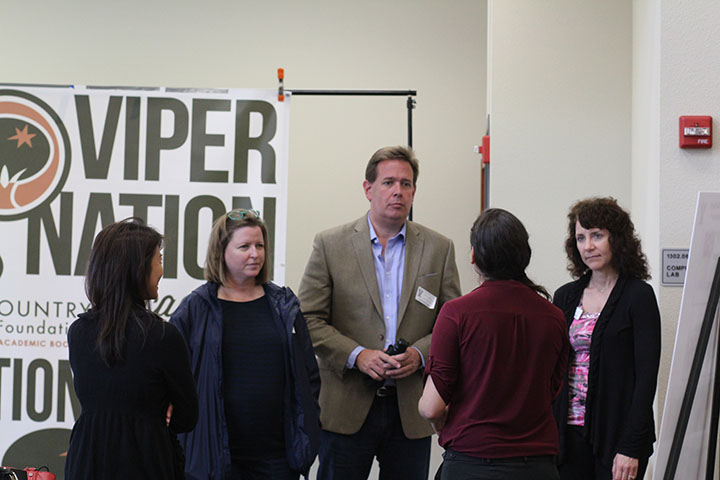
point(426, 298)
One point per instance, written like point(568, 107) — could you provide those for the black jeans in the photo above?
point(263, 469)
point(350, 457)
point(458, 466)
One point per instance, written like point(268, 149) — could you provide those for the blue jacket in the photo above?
point(199, 319)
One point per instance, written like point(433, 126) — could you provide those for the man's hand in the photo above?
point(409, 363)
point(376, 363)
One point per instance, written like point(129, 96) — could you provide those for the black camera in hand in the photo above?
point(398, 347)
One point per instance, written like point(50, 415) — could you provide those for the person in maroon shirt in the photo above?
point(497, 360)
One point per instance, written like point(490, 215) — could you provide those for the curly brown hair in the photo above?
point(604, 212)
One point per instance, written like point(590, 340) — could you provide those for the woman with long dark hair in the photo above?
point(131, 369)
point(604, 413)
point(497, 360)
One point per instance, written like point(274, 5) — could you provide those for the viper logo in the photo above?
point(34, 154)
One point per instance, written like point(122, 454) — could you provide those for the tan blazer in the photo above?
point(341, 303)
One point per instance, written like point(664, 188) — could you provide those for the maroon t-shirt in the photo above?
point(498, 357)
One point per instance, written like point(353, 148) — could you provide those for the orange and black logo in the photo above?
point(34, 154)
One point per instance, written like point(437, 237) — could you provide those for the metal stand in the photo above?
point(691, 389)
point(383, 93)
point(386, 93)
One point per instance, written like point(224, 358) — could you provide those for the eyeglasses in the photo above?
point(241, 213)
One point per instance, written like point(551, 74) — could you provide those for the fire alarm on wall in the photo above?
point(696, 132)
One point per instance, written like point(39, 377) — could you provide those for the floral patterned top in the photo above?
point(581, 331)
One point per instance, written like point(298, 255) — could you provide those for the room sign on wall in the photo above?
point(674, 265)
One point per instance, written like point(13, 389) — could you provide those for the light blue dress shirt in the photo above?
point(389, 273)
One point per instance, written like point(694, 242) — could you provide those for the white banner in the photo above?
point(75, 159)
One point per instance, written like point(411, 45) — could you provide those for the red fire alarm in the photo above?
point(696, 132)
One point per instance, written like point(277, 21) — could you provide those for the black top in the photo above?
point(624, 361)
point(122, 432)
point(207, 448)
point(253, 380)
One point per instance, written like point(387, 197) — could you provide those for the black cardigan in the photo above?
point(624, 361)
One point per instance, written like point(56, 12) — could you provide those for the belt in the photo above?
point(386, 391)
point(531, 458)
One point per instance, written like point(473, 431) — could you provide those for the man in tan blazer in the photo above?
point(368, 284)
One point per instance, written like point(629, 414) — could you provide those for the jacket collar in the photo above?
point(414, 245)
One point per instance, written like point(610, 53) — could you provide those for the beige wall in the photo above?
point(672, 80)
point(585, 98)
point(559, 77)
point(688, 86)
point(436, 48)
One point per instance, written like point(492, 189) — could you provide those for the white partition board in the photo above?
point(704, 252)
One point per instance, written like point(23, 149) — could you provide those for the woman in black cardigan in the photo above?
point(604, 413)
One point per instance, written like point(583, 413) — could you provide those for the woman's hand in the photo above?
point(624, 468)
point(168, 415)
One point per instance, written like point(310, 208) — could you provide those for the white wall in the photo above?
point(671, 80)
point(688, 86)
point(559, 77)
point(436, 48)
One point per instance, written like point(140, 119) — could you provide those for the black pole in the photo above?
point(396, 93)
point(694, 376)
point(410, 106)
point(714, 417)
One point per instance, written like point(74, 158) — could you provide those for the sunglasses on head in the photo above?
point(241, 213)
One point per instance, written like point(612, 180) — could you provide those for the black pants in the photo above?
point(458, 466)
point(264, 469)
point(350, 457)
point(580, 462)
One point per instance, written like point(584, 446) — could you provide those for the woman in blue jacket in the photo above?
point(255, 369)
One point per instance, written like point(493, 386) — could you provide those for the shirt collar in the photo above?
point(373, 236)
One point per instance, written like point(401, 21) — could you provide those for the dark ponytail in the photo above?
point(501, 248)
